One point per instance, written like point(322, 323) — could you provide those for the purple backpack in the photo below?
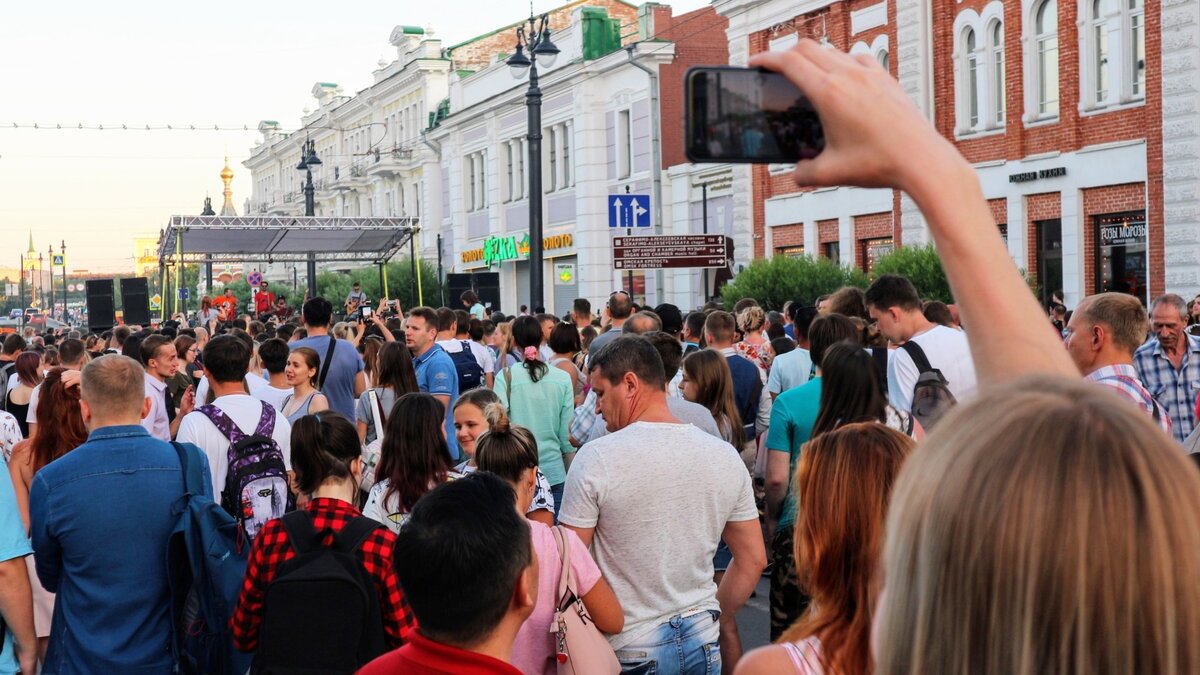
point(256, 484)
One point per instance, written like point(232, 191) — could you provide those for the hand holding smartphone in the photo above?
point(749, 116)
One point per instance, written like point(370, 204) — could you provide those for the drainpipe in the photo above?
point(656, 159)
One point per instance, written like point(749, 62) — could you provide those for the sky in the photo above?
point(133, 63)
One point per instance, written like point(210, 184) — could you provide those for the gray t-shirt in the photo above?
point(655, 534)
point(694, 414)
point(339, 383)
point(365, 411)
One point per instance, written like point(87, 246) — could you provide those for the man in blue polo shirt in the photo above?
point(100, 517)
point(436, 373)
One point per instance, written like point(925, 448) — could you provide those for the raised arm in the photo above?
point(876, 137)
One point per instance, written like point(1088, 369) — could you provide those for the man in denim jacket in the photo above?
point(100, 517)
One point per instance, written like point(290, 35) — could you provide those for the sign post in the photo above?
point(688, 251)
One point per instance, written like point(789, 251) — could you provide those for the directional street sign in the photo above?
point(671, 252)
point(629, 211)
point(185, 293)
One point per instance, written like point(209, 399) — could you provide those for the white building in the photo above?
point(373, 159)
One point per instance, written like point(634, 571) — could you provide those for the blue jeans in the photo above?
point(685, 645)
point(556, 491)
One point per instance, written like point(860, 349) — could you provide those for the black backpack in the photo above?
point(321, 613)
point(470, 373)
point(931, 397)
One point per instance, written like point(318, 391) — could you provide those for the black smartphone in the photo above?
point(748, 116)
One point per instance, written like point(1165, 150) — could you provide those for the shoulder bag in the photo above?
point(579, 646)
point(372, 451)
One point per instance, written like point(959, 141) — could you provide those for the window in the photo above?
point(832, 250)
point(550, 180)
point(509, 166)
point(624, 144)
point(874, 249)
point(972, 80)
point(475, 184)
point(1121, 254)
point(1049, 258)
point(1099, 29)
point(997, 49)
point(1046, 44)
point(790, 251)
point(565, 135)
point(1137, 48)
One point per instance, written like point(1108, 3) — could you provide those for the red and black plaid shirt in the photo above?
point(271, 549)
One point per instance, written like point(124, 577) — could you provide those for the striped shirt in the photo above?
point(1123, 379)
point(1175, 390)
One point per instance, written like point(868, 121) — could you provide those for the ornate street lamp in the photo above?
point(309, 162)
point(537, 41)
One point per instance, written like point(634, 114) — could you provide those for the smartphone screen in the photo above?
point(749, 115)
point(366, 312)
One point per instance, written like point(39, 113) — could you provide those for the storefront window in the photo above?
point(1049, 258)
point(1003, 227)
point(1121, 254)
point(790, 251)
point(873, 250)
point(832, 250)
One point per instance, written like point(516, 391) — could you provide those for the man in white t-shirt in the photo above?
point(226, 359)
point(894, 304)
point(654, 536)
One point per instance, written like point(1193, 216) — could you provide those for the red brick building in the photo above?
point(1058, 103)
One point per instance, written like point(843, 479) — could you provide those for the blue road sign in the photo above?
point(185, 293)
point(629, 211)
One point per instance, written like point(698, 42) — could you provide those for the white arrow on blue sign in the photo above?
point(629, 211)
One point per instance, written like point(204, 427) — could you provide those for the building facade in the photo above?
point(1081, 118)
point(612, 115)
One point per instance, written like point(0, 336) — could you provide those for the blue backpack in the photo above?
point(206, 562)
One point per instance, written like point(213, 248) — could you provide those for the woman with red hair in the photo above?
point(60, 430)
point(843, 486)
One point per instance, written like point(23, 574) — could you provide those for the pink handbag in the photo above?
point(579, 646)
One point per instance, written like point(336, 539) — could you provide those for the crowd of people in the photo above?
point(931, 488)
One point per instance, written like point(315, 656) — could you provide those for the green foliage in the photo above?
point(774, 281)
point(335, 286)
point(922, 266)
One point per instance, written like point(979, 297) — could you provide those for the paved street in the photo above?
point(754, 621)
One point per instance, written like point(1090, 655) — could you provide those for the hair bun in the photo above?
point(497, 418)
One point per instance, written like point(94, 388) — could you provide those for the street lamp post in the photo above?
point(53, 302)
point(308, 163)
point(64, 270)
point(21, 293)
point(544, 53)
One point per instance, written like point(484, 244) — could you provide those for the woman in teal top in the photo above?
point(539, 398)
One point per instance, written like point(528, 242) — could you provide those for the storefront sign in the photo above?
point(564, 274)
point(499, 249)
point(1056, 172)
point(496, 250)
point(1123, 234)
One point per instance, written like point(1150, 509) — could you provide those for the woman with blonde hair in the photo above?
point(753, 344)
point(843, 483)
point(1048, 527)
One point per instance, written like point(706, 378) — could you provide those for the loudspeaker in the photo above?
point(135, 301)
point(101, 314)
point(485, 284)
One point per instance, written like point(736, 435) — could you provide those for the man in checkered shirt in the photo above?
point(1169, 364)
point(1103, 334)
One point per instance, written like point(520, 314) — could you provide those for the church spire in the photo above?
point(227, 178)
point(31, 243)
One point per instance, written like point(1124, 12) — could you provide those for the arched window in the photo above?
point(883, 60)
point(1046, 44)
point(998, 71)
point(1137, 48)
point(972, 79)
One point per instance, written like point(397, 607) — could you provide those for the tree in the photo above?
point(922, 266)
point(335, 286)
point(774, 281)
